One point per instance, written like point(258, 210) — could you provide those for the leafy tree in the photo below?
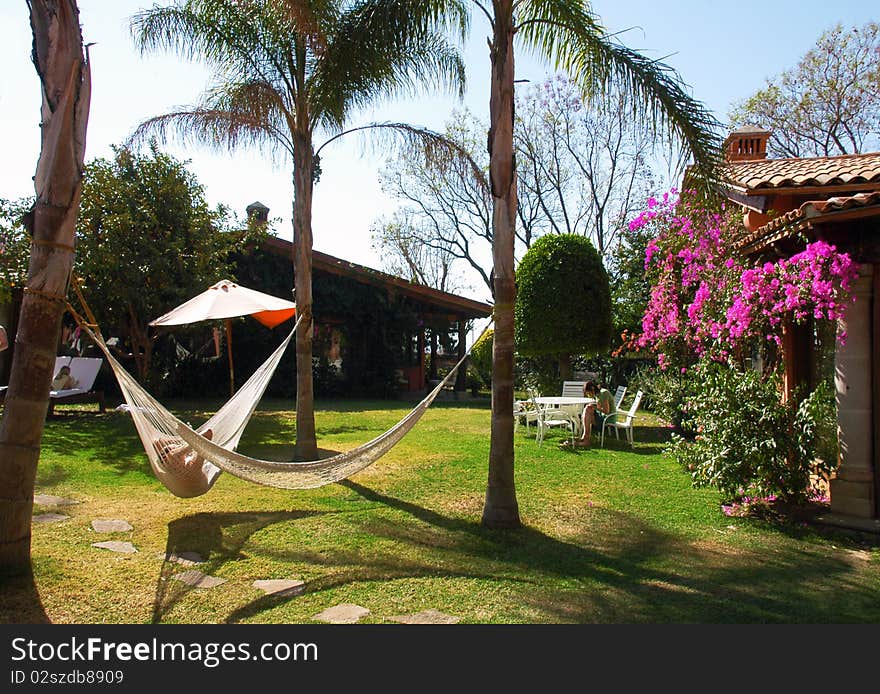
point(563, 303)
point(147, 241)
point(15, 245)
point(408, 250)
point(582, 169)
point(448, 207)
point(65, 83)
point(829, 104)
point(630, 288)
point(284, 71)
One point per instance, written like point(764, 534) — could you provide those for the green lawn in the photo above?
point(609, 535)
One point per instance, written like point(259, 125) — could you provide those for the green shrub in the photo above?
point(481, 358)
point(747, 442)
point(666, 395)
point(563, 301)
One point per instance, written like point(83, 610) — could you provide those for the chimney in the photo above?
point(748, 143)
point(258, 212)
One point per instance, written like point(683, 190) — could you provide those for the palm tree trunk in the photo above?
point(303, 166)
point(501, 509)
point(64, 76)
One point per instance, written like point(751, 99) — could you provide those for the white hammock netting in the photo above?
point(187, 461)
point(177, 466)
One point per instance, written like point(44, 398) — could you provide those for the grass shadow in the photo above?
point(111, 438)
point(21, 602)
point(624, 577)
point(217, 538)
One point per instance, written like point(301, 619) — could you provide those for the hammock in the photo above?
point(181, 469)
point(315, 473)
point(189, 460)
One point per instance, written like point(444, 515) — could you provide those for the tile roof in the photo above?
point(323, 262)
point(815, 171)
point(799, 218)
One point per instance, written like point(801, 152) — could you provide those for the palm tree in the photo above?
point(284, 70)
point(64, 77)
point(566, 32)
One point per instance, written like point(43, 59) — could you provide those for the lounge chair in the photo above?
point(85, 371)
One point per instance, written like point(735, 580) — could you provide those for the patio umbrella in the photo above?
point(224, 301)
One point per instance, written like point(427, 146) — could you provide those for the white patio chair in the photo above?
point(573, 389)
point(618, 396)
point(622, 420)
point(524, 412)
point(548, 418)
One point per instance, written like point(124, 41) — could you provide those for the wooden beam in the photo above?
point(875, 384)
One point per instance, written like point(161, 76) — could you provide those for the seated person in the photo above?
point(63, 380)
point(177, 456)
point(595, 414)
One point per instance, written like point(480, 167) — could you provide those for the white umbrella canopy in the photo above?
point(226, 300)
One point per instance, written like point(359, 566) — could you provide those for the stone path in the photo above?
point(346, 613)
point(183, 558)
point(116, 546)
point(280, 586)
point(197, 579)
point(111, 526)
point(49, 518)
point(49, 500)
point(430, 616)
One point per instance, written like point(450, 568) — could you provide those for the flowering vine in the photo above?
point(707, 300)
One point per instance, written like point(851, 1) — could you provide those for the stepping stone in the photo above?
point(197, 579)
point(430, 616)
point(346, 613)
point(183, 558)
point(280, 586)
point(111, 526)
point(49, 500)
point(116, 546)
point(49, 518)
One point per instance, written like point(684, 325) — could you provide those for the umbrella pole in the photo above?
point(229, 350)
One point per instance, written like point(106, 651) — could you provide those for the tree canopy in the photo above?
point(146, 242)
point(828, 104)
point(563, 303)
point(15, 245)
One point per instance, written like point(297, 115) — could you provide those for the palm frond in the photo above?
point(569, 35)
point(215, 129)
point(436, 149)
point(255, 101)
point(364, 64)
point(233, 37)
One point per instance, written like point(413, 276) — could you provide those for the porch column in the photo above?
point(852, 491)
point(461, 376)
point(432, 373)
point(421, 348)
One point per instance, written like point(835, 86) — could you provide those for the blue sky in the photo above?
point(723, 51)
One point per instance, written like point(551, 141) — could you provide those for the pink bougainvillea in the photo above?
point(706, 299)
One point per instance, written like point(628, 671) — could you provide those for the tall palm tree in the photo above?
point(285, 70)
point(64, 78)
point(567, 33)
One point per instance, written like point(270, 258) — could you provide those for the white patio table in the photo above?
point(569, 403)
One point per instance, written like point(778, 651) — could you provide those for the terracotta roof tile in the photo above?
point(798, 218)
point(815, 171)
